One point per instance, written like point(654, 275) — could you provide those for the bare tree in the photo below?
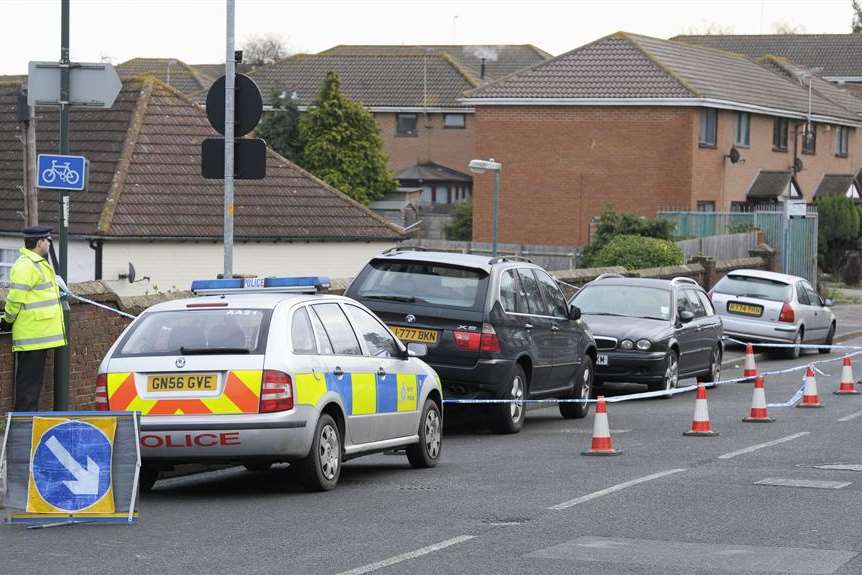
point(857, 17)
point(708, 29)
point(785, 26)
point(264, 49)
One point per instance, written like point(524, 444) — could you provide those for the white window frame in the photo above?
point(460, 126)
point(743, 137)
point(708, 119)
point(6, 265)
point(842, 144)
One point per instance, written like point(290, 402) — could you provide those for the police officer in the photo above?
point(34, 313)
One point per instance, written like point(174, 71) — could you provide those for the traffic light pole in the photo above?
point(61, 354)
point(229, 110)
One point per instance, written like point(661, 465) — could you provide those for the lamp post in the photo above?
point(480, 167)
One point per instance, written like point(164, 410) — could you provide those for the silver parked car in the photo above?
point(761, 306)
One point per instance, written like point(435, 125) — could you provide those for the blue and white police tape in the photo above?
point(99, 305)
point(793, 345)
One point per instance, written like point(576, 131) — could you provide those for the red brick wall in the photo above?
point(561, 165)
point(93, 331)
point(452, 148)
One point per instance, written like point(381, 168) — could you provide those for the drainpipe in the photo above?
point(96, 246)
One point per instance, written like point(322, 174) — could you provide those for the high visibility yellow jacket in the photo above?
point(33, 304)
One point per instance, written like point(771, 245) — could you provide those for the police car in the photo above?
point(256, 372)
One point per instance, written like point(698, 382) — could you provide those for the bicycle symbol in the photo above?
point(63, 171)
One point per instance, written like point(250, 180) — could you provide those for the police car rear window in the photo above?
point(422, 283)
point(199, 331)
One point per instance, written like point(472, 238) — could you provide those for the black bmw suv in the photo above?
point(652, 331)
point(494, 327)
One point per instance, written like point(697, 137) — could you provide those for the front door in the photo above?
point(539, 327)
point(686, 335)
point(567, 334)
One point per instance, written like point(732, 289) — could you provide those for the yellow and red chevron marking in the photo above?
point(241, 395)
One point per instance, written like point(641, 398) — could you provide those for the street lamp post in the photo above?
point(480, 167)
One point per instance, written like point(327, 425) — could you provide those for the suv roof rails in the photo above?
point(396, 249)
point(500, 259)
point(685, 280)
point(609, 275)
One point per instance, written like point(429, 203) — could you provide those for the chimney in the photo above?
point(482, 71)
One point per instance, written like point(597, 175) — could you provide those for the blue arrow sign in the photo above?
point(72, 465)
point(61, 172)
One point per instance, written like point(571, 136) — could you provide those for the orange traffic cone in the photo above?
point(750, 369)
point(700, 425)
point(602, 444)
point(809, 394)
point(848, 384)
point(758, 404)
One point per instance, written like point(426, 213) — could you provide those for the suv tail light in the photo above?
point(490, 341)
point(486, 340)
point(787, 314)
point(276, 393)
point(102, 392)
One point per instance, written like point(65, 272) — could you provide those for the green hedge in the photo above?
point(637, 252)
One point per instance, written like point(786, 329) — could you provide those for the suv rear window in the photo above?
point(423, 283)
point(749, 286)
point(183, 332)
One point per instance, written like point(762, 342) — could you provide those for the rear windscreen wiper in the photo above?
point(214, 351)
point(404, 298)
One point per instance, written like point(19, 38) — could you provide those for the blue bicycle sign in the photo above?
point(61, 172)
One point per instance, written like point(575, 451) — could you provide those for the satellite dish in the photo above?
point(734, 155)
point(132, 273)
point(798, 165)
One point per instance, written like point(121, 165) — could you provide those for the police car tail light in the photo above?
point(490, 341)
point(276, 394)
point(102, 392)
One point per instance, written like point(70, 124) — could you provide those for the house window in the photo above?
point(706, 206)
point(406, 124)
point(779, 134)
point(454, 121)
point(743, 129)
point(708, 127)
point(441, 195)
point(7, 260)
point(843, 143)
point(809, 139)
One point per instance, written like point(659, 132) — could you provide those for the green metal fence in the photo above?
point(800, 236)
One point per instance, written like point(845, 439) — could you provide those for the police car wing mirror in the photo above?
point(417, 349)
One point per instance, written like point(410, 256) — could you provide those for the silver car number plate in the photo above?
point(602, 359)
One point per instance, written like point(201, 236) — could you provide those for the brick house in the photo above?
point(147, 203)
point(414, 93)
point(837, 56)
point(642, 124)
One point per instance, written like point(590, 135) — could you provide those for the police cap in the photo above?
point(38, 232)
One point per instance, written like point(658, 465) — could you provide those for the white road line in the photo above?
point(614, 488)
point(408, 556)
point(733, 454)
point(851, 416)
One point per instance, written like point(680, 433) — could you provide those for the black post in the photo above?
point(61, 354)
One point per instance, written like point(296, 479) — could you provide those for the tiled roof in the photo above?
point(500, 60)
point(397, 81)
point(837, 54)
point(145, 178)
point(215, 71)
point(431, 172)
point(834, 185)
point(171, 71)
point(769, 185)
point(822, 87)
point(624, 65)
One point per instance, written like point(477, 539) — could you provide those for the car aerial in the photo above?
point(257, 372)
point(495, 327)
point(652, 331)
point(762, 306)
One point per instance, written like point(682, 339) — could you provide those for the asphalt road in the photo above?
point(528, 503)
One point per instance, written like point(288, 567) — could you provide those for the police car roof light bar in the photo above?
point(306, 284)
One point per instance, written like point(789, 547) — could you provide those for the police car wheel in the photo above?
point(321, 469)
point(426, 453)
point(509, 417)
point(147, 478)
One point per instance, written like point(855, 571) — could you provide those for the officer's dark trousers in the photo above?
point(29, 370)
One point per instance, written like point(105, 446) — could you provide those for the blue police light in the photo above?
point(306, 284)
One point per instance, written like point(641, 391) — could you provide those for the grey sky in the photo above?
point(193, 30)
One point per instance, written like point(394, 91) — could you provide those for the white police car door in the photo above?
point(349, 372)
point(397, 378)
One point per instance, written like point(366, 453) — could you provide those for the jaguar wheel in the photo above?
point(671, 375)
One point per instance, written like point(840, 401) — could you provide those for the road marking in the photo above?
point(836, 466)
point(814, 484)
point(408, 556)
point(614, 488)
point(733, 454)
point(851, 416)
